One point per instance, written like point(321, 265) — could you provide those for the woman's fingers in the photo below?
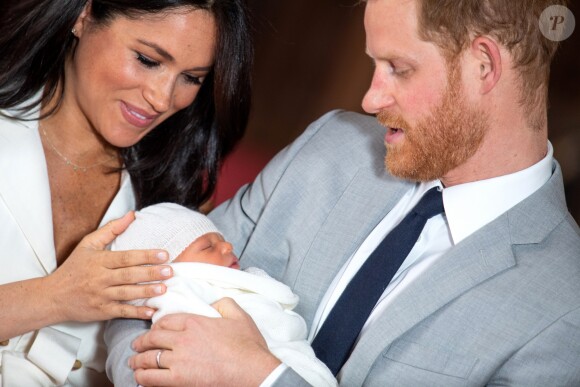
point(120, 310)
point(129, 258)
point(138, 274)
point(100, 238)
point(135, 292)
point(93, 284)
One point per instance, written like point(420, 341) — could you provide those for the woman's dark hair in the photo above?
point(178, 161)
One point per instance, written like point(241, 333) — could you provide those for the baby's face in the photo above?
point(210, 248)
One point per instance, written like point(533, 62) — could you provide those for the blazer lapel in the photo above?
point(24, 186)
point(481, 256)
point(363, 204)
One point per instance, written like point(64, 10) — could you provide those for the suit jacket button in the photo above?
point(4, 343)
point(78, 364)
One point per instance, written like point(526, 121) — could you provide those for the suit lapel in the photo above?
point(471, 262)
point(24, 187)
point(363, 204)
point(486, 253)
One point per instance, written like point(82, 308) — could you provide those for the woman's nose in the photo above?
point(159, 92)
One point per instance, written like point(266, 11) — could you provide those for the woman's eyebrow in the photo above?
point(159, 50)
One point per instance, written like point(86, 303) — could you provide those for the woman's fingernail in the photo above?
point(166, 272)
point(162, 256)
point(158, 289)
point(149, 313)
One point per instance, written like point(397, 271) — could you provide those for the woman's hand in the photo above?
point(92, 283)
point(204, 351)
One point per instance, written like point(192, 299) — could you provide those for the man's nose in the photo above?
point(379, 95)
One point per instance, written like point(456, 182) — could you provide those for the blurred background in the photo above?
point(310, 59)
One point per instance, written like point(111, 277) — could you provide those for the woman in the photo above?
point(107, 106)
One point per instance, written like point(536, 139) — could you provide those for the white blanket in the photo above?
point(195, 286)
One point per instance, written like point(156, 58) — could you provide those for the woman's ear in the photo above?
point(82, 21)
point(488, 57)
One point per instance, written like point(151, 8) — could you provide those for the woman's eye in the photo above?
point(149, 63)
point(193, 79)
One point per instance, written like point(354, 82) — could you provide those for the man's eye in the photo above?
point(147, 62)
point(402, 72)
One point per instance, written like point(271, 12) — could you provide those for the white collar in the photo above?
point(470, 206)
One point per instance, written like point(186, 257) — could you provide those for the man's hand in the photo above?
point(204, 351)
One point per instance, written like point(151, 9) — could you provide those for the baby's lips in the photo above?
point(235, 262)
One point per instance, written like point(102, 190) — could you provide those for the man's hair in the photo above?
point(451, 24)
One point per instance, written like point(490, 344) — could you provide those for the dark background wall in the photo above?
point(310, 59)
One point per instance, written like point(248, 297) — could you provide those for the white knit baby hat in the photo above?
point(166, 226)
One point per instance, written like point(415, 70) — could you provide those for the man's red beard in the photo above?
point(439, 143)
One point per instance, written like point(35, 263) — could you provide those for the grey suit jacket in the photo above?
point(501, 308)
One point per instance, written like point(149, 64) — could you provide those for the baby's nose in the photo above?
point(227, 247)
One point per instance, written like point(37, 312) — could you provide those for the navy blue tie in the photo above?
point(335, 339)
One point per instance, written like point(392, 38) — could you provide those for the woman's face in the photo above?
point(132, 74)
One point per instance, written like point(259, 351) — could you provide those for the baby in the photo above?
point(206, 270)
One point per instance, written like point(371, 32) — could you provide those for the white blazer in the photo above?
point(44, 357)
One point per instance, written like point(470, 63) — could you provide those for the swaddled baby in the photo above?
point(206, 270)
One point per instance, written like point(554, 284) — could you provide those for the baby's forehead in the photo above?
point(210, 236)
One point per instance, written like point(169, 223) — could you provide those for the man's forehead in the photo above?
point(391, 28)
point(391, 16)
point(393, 3)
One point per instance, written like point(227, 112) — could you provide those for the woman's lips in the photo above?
point(137, 117)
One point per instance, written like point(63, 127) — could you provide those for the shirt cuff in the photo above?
point(274, 375)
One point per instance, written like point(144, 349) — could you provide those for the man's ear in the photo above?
point(487, 56)
point(82, 21)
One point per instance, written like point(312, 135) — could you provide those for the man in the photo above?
point(490, 292)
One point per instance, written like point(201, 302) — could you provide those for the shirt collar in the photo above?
point(470, 206)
